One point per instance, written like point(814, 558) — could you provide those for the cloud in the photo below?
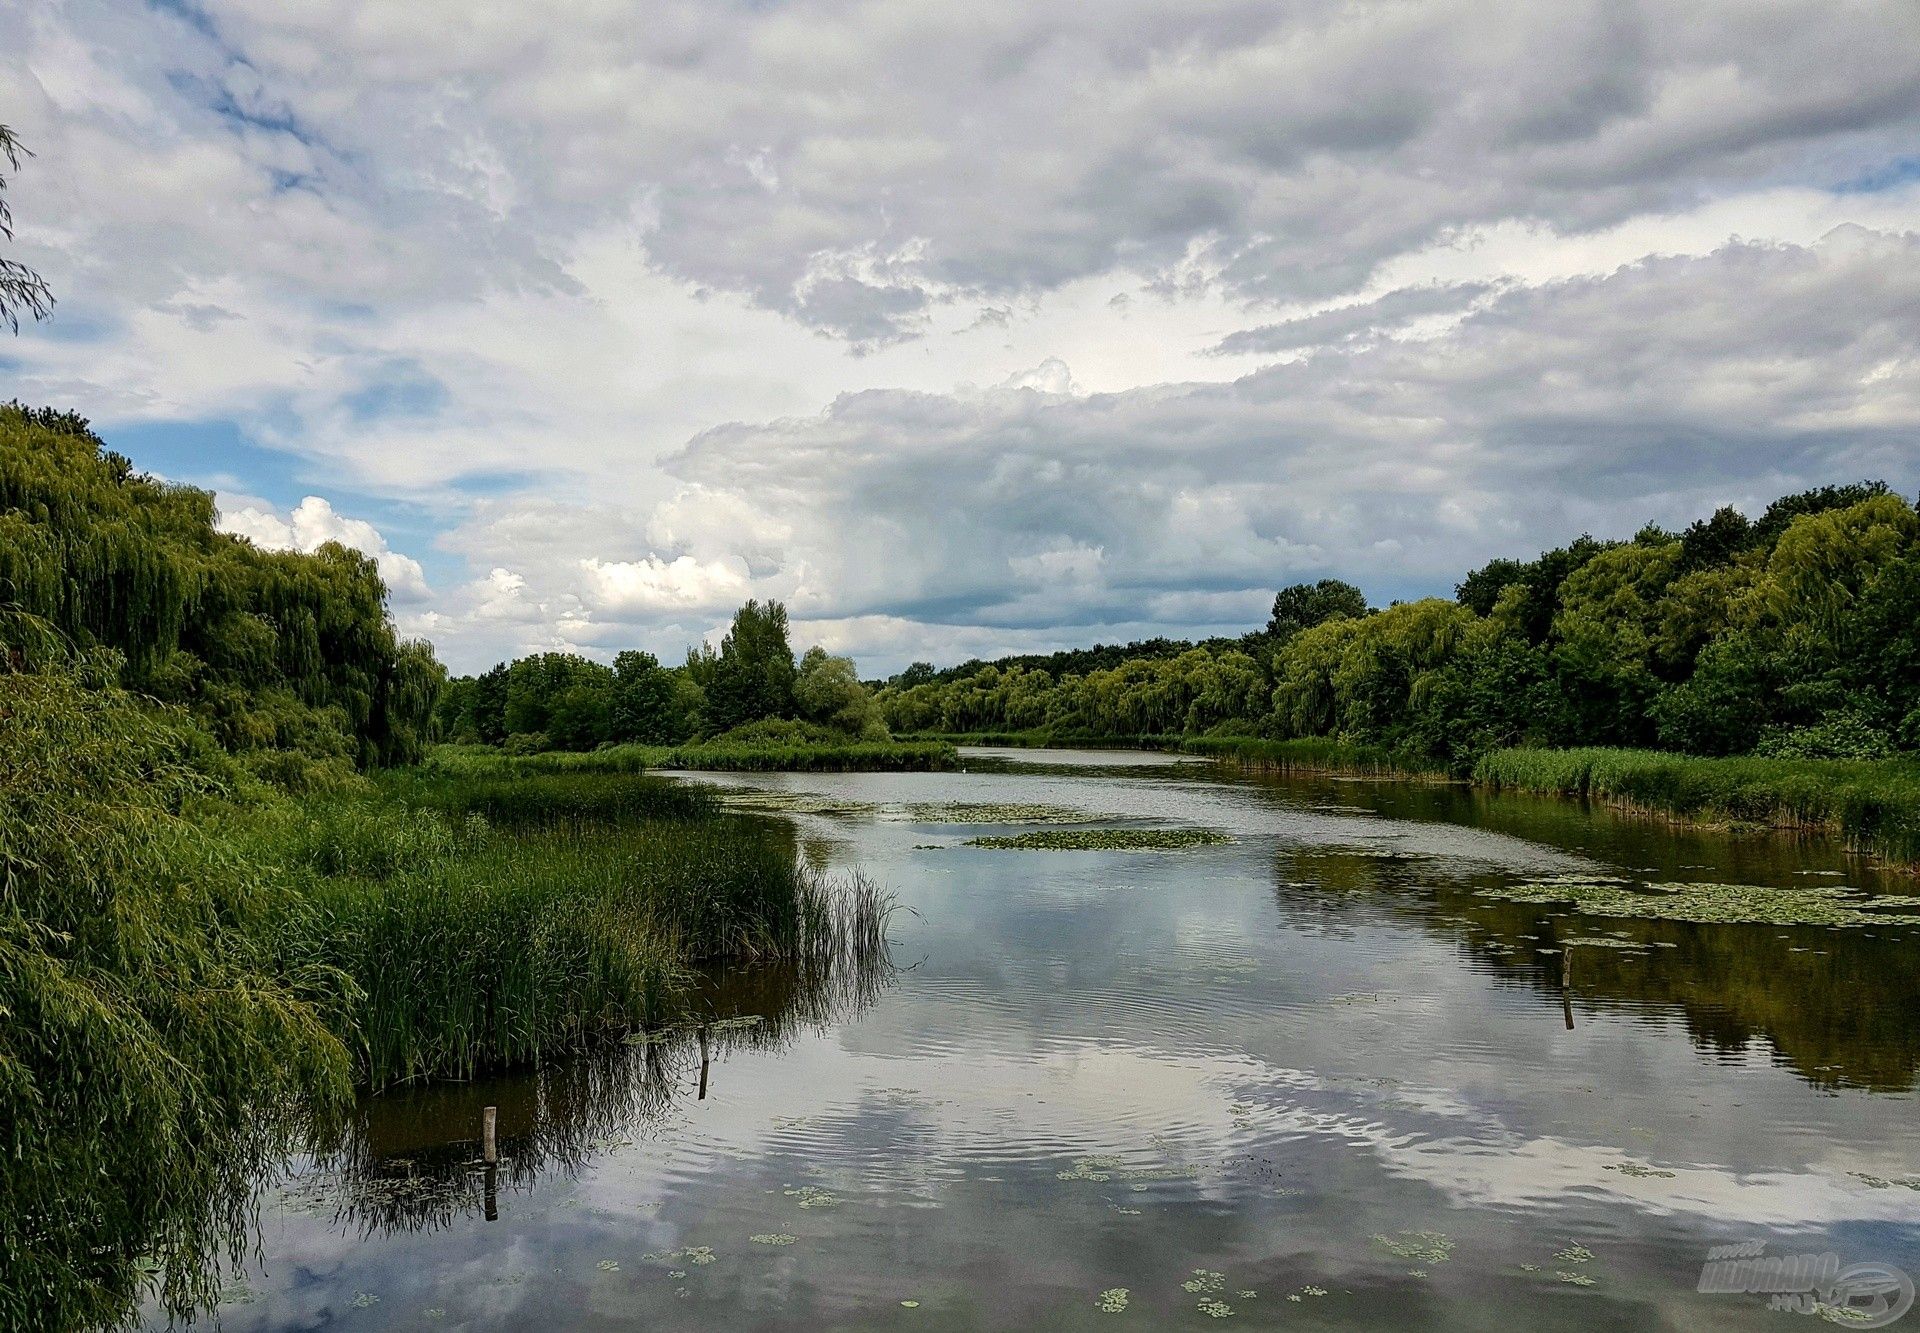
point(644, 317)
point(312, 524)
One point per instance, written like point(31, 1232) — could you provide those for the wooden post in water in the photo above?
point(703, 1062)
point(1566, 983)
point(490, 1154)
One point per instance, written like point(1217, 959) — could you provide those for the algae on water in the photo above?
point(1104, 840)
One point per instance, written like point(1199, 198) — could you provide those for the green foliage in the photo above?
point(271, 650)
point(1875, 805)
point(753, 674)
point(152, 1058)
point(1798, 634)
point(827, 691)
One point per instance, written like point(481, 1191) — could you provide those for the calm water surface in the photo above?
point(1308, 1078)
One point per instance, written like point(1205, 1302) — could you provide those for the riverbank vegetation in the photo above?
point(1792, 639)
point(233, 900)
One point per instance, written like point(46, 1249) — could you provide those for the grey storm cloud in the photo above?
point(851, 162)
point(1661, 390)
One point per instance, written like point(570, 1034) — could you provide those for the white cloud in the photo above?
point(638, 310)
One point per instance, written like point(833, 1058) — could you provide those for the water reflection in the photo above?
point(411, 1158)
point(1835, 1006)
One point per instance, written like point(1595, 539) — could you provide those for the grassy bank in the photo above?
point(197, 972)
point(1873, 805)
point(719, 756)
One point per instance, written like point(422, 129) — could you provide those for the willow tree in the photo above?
point(274, 651)
point(22, 291)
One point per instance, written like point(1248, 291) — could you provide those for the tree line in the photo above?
point(1794, 634)
point(751, 687)
point(289, 660)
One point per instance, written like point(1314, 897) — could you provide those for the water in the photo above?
point(1308, 1077)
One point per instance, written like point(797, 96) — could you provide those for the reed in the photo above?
point(488, 922)
point(1873, 804)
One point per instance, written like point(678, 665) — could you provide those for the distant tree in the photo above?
point(1479, 590)
point(919, 673)
point(1781, 513)
point(827, 691)
point(1715, 541)
point(22, 291)
point(643, 701)
point(751, 677)
point(1304, 605)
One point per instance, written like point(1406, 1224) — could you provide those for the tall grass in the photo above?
point(1873, 804)
point(496, 921)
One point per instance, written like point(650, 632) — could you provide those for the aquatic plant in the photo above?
point(1874, 805)
point(1713, 904)
point(1104, 840)
point(1113, 1300)
point(1428, 1247)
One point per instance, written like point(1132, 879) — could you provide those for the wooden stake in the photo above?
point(703, 1063)
point(489, 1144)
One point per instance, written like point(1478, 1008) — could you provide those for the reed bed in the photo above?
point(496, 921)
point(1873, 804)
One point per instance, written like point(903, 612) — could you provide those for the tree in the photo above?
point(22, 291)
point(752, 675)
point(1304, 605)
point(828, 691)
point(643, 701)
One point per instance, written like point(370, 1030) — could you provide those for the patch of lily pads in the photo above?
point(1712, 904)
point(762, 800)
point(1104, 840)
point(993, 812)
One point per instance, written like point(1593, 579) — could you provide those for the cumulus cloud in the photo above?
point(312, 524)
point(640, 313)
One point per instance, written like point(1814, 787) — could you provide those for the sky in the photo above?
point(965, 329)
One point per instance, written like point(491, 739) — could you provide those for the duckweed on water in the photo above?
point(1113, 1300)
point(1713, 904)
point(1431, 1247)
point(1204, 1279)
point(1104, 840)
point(773, 1238)
point(1215, 1309)
point(812, 1196)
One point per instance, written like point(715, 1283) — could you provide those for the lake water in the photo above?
point(1309, 1078)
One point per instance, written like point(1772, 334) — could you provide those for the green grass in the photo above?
point(1873, 804)
point(716, 756)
